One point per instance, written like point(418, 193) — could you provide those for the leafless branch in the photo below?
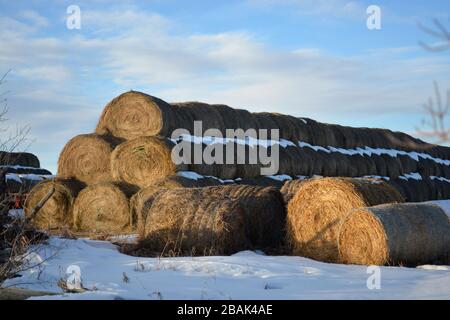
point(441, 35)
point(437, 111)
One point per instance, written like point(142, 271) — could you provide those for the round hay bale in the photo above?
point(395, 234)
point(261, 181)
point(329, 164)
point(408, 164)
point(443, 189)
point(348, 141)
point(266, 120)
point(371, 166)
point(318, 134)
point(209, 115)
point(295, 161)
point(380, 165)
point(343, 166)
point(103, 207)
point(287, 126)
point(393, 166)
point(360, 165)
point(399, 186)
point(311, 162)
point(144, 160)
point(145, 195)
point(57, 211)
point(134, 114)
point(214, 220)
point(24, 159)
point(86, 158)
point(317, 209)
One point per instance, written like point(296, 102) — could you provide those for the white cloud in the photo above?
point(61, 84)
point(34, 18)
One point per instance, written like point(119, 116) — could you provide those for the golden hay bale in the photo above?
point(214, 220)
point(134, 114)
point(143, 161)
point(103, 207)
point(57, 211)
point(317, 209)
point(86, 158)
point(145, 195)
point(395, 234)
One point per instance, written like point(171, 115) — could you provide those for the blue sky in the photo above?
point(307, 58)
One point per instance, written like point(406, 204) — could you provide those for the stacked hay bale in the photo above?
point(315, 148)
point(127, 162)
point(57, 211)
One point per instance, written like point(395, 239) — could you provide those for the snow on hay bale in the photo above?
point(145, 160)
point(317, 209)
point(103, 207)
point(57, 211)
point(145, 195)
point(395, 234)
point(214, 220)
point(86, 158)
point(134, 114)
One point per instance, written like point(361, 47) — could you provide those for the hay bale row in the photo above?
point(425, 189)
point(213, 220)
point(24, 159)
point(135, 114)
point(318, 207)
point(395, 234)
point(57, 211)
point(145, 160)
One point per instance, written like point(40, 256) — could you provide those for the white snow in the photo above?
point(13, 176)
point(245, 275)
point(368, 151)
point(443, 179)
point(412, 175)
point(190, 175)
point(280, 177)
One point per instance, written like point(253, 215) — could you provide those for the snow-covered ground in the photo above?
point(245, 275)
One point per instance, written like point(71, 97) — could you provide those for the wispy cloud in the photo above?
point(60, 83)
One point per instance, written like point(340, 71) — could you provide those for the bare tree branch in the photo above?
point(440, 33)
point(437, 112)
